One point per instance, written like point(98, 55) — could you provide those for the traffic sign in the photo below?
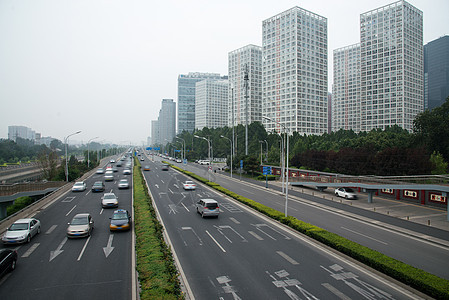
point(266, 170)
point(241, 164)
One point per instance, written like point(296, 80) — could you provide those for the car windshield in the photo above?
point(18, 226)
point(109, 196)
point(119, 216)
point(189, 182)
point(349, 190)
point(98, 183)
point(79, 221)
point(79, 184)
point(123, 181)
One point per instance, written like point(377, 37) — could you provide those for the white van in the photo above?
point(204, 162)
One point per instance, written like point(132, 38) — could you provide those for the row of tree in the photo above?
point(393, 151)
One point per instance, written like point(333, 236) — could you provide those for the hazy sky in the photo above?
point(103, 67)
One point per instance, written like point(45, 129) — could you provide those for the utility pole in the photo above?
point(246, 85)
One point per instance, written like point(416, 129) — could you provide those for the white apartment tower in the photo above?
point(391, 39)
point(246, 59)
point(294, 59)
point(211, 103)
point(346, 89)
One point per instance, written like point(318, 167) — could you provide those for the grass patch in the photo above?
point(158, 276)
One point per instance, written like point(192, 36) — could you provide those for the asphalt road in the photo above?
point(379, 234)
point(242, 255)
point(54, 267)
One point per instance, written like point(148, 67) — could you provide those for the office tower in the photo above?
point(245, 60)
point(436, 72)
point(294, 59)
point(186, 98)
point(167, 121)
point(391, 39)
point(155, 140)
point(23, 132)
point(211, 98)
point(346, 89)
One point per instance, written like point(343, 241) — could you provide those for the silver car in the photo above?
point(123, 184)
point(207, 208)
point(79, 186)
point(80, 226)
point(22, 231)
point(109, 200)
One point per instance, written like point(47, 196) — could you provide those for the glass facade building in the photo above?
point(166, 122)
point(436, 72)
point(294, 74)
point(186, 98)
point(245, 59)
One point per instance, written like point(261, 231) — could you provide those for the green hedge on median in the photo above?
point(423, 281)
point(158, 276)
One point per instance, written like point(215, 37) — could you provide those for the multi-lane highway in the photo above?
point(402, 240)
point(242, 255)
point(54, 267)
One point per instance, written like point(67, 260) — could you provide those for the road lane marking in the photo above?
point(334, 291)
point(50, 230)
point(108, 249)
point(70, 211)
point(29, 251)
point(256, 235)
point(68, 199)
point(248, 192)
point(101, 211)
point(287, 258)
point(222, 249)
point(58, 250)
point(171, 191)
point(364, 235)
point(185, 207)
point(84, 248)
point(234, 220)
point(162, 181)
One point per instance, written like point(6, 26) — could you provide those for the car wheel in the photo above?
point(28, 238)
point(346, 196)
point(13, 265)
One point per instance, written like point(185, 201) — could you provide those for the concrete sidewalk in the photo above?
point(424, 215)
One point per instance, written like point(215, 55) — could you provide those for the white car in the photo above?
point(346, 193)
point(109, 176)
point(109, 200)
point(189, 185)
point(207, 208)
point(123, 184)
point(126, 171)
point(21, 231)
point(79, 186)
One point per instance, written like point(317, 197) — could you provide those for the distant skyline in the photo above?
point(103, 67)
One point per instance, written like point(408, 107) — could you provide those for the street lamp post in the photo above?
point(232, 146)
point(88, 143)
point(183, 154)
point(208, 143)
point(66, 139)
point(286, 184)
point(266, 154)
point(260, 152)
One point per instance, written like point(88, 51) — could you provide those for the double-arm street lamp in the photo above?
point(232, 146)
point(286, 184)
point(208, 143)
point(88, 143)
point(66, 140)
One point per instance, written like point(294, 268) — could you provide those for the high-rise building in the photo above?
point(23, 132)
point(294, 59)
point(392, 85)
point(186, 98)
point(167, 121)
point(211, 98)
point(155, 140)
point(346, 89)
point(436, 72)
point(241, 62)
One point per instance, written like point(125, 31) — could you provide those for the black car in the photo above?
point(98, 186)
point(8, 259)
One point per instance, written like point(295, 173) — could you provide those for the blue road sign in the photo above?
point(241, 164)
point(266, 170)
point(148, 148)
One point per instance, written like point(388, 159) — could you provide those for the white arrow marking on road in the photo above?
point(108, 249)
point(157, 186)
point(176, 186)
point(58, 250)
